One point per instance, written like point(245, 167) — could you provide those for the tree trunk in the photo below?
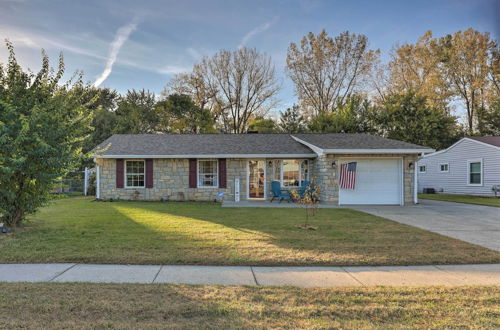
point(14, 219)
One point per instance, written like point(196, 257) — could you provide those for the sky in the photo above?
point(130, 44)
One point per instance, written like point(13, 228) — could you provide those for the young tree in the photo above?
point(326, 71)
point(408, 117)
point(42, 129)
point(179, 114)
point(136, 113)
point(292, 120)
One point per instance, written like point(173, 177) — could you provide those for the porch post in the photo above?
point(98, 181)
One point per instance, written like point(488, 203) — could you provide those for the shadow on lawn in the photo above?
point(267, 236)
point(209, 234)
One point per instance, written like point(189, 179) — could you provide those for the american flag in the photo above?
point(348, 175)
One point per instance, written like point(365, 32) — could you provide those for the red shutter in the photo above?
point(119, 173)
point(192, 173)
point(149, 173)
point(222, 173)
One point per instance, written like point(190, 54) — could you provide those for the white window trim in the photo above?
point(125, 173)
point(198, 173)
point(425, 169)
point(477, 160)
point(300, 172)
point(447, 168)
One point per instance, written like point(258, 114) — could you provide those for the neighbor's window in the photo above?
point(422, 169)
point(443, 167)
point(134, 173)
point(475, 172)
point(293, 172)
point(207, 173)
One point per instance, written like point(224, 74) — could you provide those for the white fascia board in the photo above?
point(251, 156)
point(377, 151)
point(314, 148)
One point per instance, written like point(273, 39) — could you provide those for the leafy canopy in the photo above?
point(43, 125)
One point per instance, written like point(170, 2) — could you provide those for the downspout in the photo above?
point(415, 181)
point(98, 181)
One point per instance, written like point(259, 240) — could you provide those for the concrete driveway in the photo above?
point(475, 224)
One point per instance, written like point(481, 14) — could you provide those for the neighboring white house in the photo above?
point(471, 166)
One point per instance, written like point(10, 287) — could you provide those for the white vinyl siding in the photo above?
point(458, 158)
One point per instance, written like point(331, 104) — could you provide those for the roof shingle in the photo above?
point(354, 141)
point(239, 144)
point(493, 140)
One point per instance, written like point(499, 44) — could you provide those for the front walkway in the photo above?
point(449, 275)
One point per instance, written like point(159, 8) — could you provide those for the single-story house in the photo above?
point(471, 167)
point(242, 166)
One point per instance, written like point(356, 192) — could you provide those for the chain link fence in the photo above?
point(73, 184)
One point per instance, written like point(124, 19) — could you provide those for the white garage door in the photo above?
point(378, 181)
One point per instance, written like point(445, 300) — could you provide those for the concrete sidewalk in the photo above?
point(449, 275)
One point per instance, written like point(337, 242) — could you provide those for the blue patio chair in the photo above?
point(279, 193)
point(303, 187)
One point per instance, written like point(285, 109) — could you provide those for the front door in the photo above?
point(256, 179)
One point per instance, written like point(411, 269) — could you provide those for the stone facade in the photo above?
point(171, 180)
point(325, 176)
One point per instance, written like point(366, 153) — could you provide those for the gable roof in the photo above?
point(493, 140)
point(246, 145)
point(199, 145)
point(354, 141)
point(477, 139)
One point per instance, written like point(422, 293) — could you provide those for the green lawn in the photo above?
point(85, 231)
point(468, 199)
point(139, 306)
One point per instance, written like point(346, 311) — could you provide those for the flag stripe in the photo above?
point(348, 175)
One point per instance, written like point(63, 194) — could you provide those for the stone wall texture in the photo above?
point(171, 180)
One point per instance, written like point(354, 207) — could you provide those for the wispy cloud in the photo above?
point(173, 69)
point(259, 29)
point(121, 37)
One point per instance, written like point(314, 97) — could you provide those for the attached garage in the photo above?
point(378, 181)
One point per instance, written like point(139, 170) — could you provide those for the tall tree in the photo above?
point(136, 113)
point(326, 71)
point(466, 63)
point(43, 123)
point(242, 85)
point(489, 120)
point(409, 117)
point(102, 103)
point(263, 125)
point(179, 114)
point(292, 120)
point(416, 68)
point(356, 115)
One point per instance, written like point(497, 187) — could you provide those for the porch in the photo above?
point(276, 204)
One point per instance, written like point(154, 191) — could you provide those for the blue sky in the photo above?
point(142, 44)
